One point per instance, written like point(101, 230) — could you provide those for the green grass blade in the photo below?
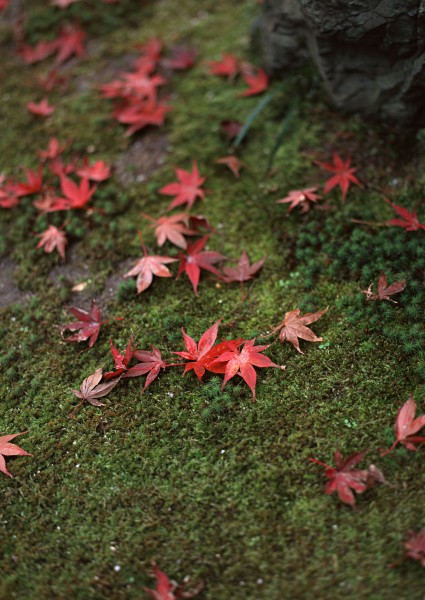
point(285, 126)
point(252, 116)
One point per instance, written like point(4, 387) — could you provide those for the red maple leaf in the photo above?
point(54, 149)
point(415, 546)
point(77, 196)
point(232, 162)
point(343, 477)
point(145, 113)
point(167, 589)
point(293, 327)
point(3, 5)
point(406, 426)
point(228, 66)
point(148, 266)
point(8, 199)
point(53, 239)
point(242, 362)
point(300, 198)
point(50, 202)
point(150, 363)
point(172, 228)
point(51, 80)
point(344, 175)
point(152, 48)
point(70, 43)
point(120, 360)
point(243, 272)
point(37, 53)
point(32, 185)
point(385, 290)
point(91, 390)
point(88, 324)
point(196, 259)
point(408, 220)
point(257, 81)
point(200, 354)
point(7, 449)
point(41, 109)
point(187, 190)
point(180, 59)
point(139, 85)
point(99, 171)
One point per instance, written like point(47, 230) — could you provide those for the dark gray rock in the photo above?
point(370, 53)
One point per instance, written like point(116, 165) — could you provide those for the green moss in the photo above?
point(205, 481)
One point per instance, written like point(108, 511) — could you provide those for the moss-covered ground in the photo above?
point(205, 482)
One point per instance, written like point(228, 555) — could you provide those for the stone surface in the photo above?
point(370, 53)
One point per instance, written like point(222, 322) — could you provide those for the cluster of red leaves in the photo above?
point(52, 190)
point(136, 92)
point(228, 358)
point(167, 589)
point(230, 67)
point(343, 176)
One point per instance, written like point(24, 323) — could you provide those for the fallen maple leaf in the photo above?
point(53, 239)
point(51, 203)
point(91, 389)
point(167, 589)
point(293, 327)
point(300, 198)
point(3, 5)
point(343, 477)
point(180, 59)
point(51, 80)
point(70, 43)
point(243, 272)
point(344, 175)
point(257, 82)
point(232, 162)
point(143, 114)
point(32, 185)
point(150, 363)
point(37, 53)
point(199, 354)
point(152, 48)
point(77, 196)
point(172, 228)
point(228, 66)
point(384, 291)
point(54, 149)
point(88, 324)
point(148, 266)
point(7, 449)
point(415, 546)
point(408, 220)
point(41, 109)
point(187, 190)
point(196, 259)
point(406, 426)
point(242, 362)
point(99, 171)
point(120, 360)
